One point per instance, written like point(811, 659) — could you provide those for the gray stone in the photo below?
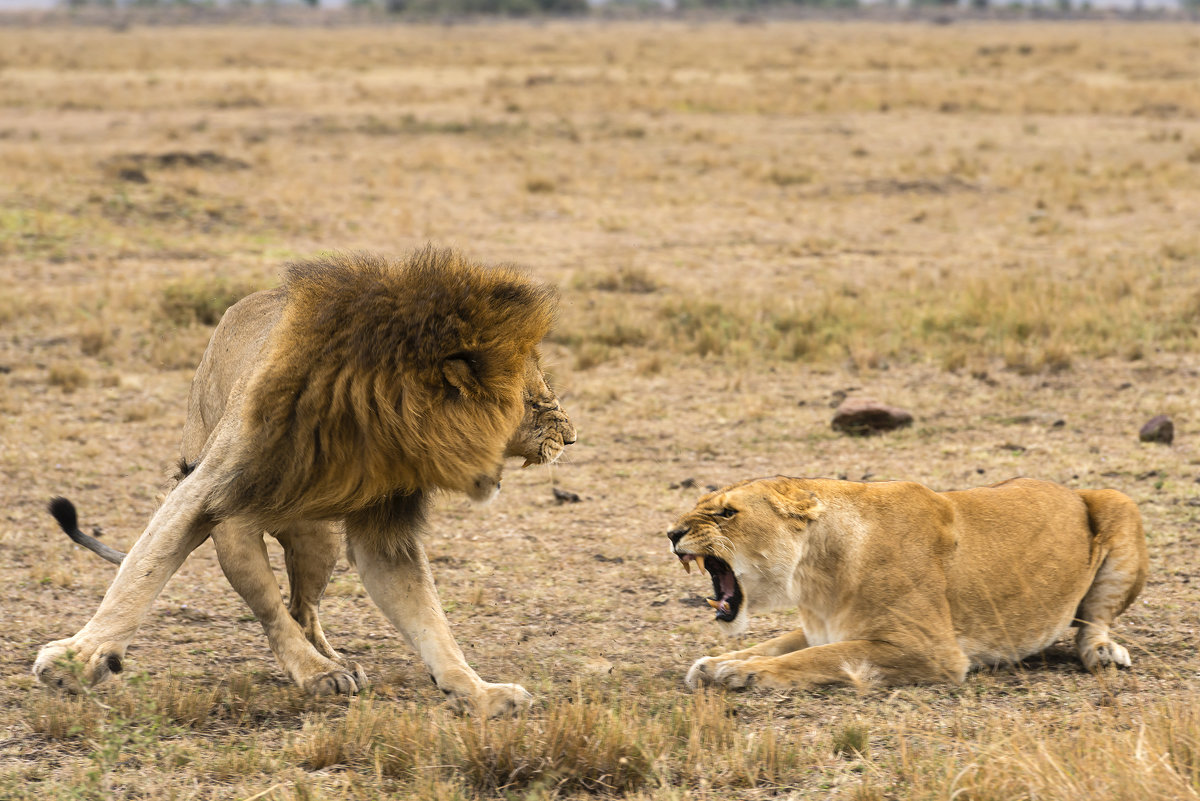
point(1158, 429)
point(863, 416)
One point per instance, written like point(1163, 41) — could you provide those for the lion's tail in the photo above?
point(64, 512)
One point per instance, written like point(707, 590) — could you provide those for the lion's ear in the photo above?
point(460, 375)
point(793, 500)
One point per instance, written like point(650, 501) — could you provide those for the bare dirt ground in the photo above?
point(991, 225)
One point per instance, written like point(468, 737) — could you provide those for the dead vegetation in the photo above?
point(991, 225)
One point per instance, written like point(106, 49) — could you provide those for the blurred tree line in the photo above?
point(522, 8)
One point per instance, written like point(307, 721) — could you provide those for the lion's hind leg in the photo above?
point(98, 649)
point(310, 552)
point(243, 557)
point(1117, 527)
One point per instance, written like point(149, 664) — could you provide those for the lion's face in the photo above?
point(545, 429)
point(749, 538)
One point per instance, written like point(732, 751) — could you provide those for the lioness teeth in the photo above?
point(527, 463)
point(700, 564)
point(687, 565)
point(713, 603)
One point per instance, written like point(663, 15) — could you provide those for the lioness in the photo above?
point(339, 402)
point(906, 584)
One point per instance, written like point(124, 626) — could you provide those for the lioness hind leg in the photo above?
point(243, 557)
point(174, 531)
point(1117, 526)
point(310, 551)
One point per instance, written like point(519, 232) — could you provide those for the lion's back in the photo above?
point(235, 348)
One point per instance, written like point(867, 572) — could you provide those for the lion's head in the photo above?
point(402, 376)
point(750, 538)
point(545, 429)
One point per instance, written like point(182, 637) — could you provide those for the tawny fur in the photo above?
point(913, 585)
point(334, 403)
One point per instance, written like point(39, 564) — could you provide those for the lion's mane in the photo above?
point(385, 378)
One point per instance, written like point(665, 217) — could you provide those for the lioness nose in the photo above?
point(676, 534)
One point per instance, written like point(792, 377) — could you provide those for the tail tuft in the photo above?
point(64, 512)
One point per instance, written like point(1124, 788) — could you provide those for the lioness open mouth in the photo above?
point(728, 592)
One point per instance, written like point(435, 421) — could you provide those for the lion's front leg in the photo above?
point(705, 667)
point(243, 558)
point(174, 531)
point(401, 584)
point(835, 663)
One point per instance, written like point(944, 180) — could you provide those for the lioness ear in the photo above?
point(794, 501)
point(460, 375)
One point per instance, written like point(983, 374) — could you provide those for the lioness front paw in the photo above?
point(736, 674)
point(69, 666)
point(493, 701)
point(1104, 654)
point(337, 682)
point(702, 672)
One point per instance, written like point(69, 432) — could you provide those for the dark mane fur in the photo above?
point(352, 403)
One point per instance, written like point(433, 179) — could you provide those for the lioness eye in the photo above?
point(727, 512)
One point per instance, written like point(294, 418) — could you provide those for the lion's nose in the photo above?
point(676, 534)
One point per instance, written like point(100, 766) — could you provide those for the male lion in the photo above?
point(906, 584)
point(346, 396)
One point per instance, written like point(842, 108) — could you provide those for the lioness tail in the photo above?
point(64, 512)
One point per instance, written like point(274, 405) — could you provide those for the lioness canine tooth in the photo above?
point(713, 603)
point(700, 564)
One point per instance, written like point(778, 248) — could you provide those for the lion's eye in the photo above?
point(727, 512)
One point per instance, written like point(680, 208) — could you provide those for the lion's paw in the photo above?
point(493, 701)
point(736, 674)
point(702, 672)
point(69, 666)
point(337, 682)
point(1104, 654)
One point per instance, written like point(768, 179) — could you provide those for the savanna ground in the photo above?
point(992, 225)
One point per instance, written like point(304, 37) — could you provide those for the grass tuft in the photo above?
point(199, 301)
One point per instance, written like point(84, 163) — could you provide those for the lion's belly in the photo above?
point(1001, 645)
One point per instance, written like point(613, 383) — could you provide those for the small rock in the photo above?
point(616, 560)
point(687, 483)
point(863, 416)
point(565, 496)
point(1158, 429)
point(133, 175)
point(192, 613)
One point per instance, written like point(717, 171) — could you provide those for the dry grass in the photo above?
point(990, 224)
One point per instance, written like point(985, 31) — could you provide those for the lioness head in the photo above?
point(749, 538)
